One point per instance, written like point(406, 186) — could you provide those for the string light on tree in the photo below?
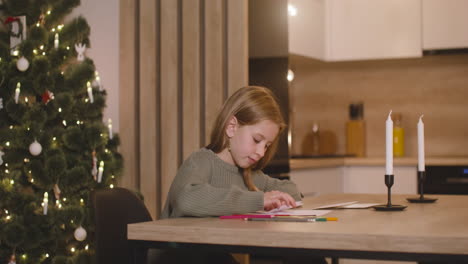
point(45, 203)
point(97, 81)
point(90, 92)
point(56, 41)
point(109, 126)
point(101, 170)
point(17, 92)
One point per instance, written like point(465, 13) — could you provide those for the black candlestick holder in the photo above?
point(421, 198)
point(389, 206)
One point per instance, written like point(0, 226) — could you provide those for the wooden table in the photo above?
point(436, 231)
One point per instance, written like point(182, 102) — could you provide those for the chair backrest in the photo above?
point(113, 210)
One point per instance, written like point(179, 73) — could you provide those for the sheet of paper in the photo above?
point(297, 212)
point(359, 205)
point(305, 212)
point(287, 210)
point(329, 206)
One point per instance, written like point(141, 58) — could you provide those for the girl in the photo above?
point(225, 177)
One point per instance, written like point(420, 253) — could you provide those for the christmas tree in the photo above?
point(54, 147)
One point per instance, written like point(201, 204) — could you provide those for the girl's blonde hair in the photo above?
point(250, 105)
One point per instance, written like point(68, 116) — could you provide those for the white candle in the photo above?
point(389, 145)
point(109, 125)
point(45, 203)
point(17, 92)
point(421, 163)
point(90, 92)
point(100, 171)
point(56, 41)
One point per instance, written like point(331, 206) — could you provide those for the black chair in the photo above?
point(113, 210)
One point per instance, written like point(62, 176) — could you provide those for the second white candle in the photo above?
point(421, 161)
point(389, 145)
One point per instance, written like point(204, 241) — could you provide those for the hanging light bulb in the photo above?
point(290, 76)
point(292, 10)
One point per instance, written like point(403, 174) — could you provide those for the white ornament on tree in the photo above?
point(80, 233)
point(35, 148)
point(22, 64)
point(1, 155)
point(80, 49)
point(1, 103)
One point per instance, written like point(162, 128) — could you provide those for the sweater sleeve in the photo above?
point(267, 184)
point(192, 195)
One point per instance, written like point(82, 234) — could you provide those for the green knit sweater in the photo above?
point(205, 185)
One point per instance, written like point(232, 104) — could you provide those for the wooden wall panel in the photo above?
point(191, 86)
point(237, 45)
point(170, 129)
point(180, 59)
point(127, 98)
point(148, 110)
point(214, 90)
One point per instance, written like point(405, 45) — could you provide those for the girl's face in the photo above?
point(249, 143)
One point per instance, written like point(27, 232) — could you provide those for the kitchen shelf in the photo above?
point(309, 163)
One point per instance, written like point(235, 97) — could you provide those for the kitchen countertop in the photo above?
point(310, 163)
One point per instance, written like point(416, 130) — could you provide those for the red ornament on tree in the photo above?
point(47, 96)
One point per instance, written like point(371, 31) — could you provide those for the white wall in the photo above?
point(103, 18)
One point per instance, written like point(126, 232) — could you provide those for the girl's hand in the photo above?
point(275, 199)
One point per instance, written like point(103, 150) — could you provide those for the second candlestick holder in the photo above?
point(389, 206)
point(421, 198)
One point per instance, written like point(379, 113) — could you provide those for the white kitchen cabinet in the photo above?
point(444, 24)
point(354, 179)
point(335, 30)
